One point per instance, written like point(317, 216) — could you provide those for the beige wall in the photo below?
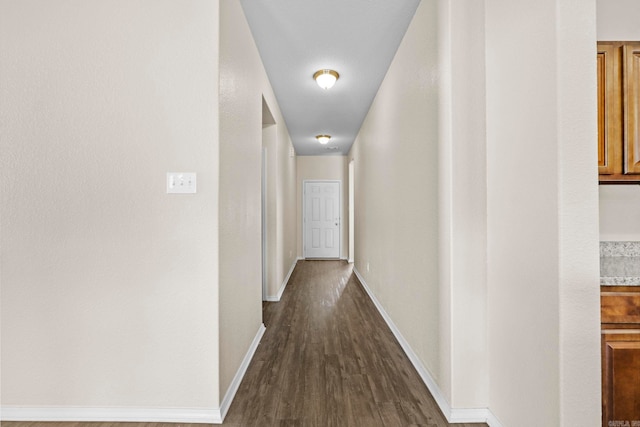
point(97, 258)
point(281, 207)
point(620, 212)
point(528, 242)
point(396, 190)
point(542, 270)
point(241, 81)
point(325, 168)
point(269, 144)
point(619, 204)
point(618, 20)
point(111, 288)
point(286, 203)
point(462, 204)
point(243, 84)
point(109, 285)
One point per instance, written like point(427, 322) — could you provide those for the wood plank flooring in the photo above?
point(327, 359)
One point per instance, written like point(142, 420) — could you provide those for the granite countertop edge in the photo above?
point(619, 281)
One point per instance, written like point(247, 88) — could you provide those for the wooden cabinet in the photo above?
point(620, 316)
point(631, 55)
point(618, 65)
point(609, 109)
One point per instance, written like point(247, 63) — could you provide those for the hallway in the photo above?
point(328, 359)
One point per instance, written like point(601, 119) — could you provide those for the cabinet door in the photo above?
point(609, 109)
point(632, 107)
point(621, 376)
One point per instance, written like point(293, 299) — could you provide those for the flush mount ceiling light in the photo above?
point(326, 78)
point(323, 139)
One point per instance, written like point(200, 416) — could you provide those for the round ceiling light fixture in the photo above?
point(326, 78)
point(323, 139)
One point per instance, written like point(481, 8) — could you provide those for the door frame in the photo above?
point(351, 212)
point(263, 202)
point(304, 214)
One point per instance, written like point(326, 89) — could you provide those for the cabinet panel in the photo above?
point(620, 307)
point(621, 376)
point(631, 57)
point(609, 109)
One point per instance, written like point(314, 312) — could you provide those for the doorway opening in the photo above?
point(352, 215)
point(267, 198)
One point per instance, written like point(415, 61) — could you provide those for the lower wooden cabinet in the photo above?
point(621, 377)
point(620, 357)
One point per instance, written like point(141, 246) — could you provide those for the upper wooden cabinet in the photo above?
point(609, 109)
point(619, 112)
point(631, 55)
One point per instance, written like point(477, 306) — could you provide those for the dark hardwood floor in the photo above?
point(326, 359)
point(329, 359)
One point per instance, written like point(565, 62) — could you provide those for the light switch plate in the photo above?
point(181, 182)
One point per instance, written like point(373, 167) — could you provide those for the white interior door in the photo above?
point(322, 219)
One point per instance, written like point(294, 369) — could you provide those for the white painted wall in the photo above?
point(396, 194)
point(543, 294)
point(109, 285)
point(325, 168)
point(619, 204)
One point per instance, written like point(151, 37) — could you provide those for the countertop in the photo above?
point(620, 263)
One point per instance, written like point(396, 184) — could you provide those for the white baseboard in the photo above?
point(492, 420)
point(453, 415)
point(237, 379)
point(278, 296)
point(122, 414)
point(473, 415)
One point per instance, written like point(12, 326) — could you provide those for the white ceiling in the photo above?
point(357, 38)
